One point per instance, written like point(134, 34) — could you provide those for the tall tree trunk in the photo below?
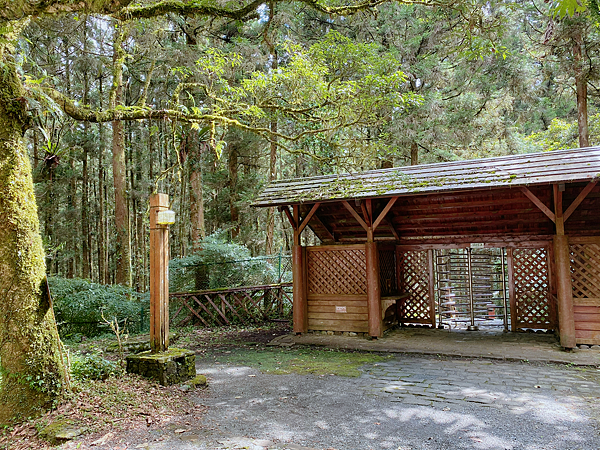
point(233, 179)
point(102, 256)
point(414, 154)
point(581, 88)
point(123, 252)
point(33, 373)
point(273, 147)
point(86, 242)
point(196, 202)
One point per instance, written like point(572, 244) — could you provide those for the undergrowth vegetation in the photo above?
point(83, 308)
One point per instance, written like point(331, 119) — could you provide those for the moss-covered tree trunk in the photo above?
point(32, 370)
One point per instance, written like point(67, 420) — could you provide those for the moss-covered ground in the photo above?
point(303, 361)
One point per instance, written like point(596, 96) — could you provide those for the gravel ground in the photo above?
point(405, 403)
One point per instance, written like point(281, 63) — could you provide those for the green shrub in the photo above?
point(225, 265)
point(80, 304)
point(93, 367)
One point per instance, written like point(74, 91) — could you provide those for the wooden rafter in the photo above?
point(287, 212)
point(365, 213)
point(581, 197)
point(384, 212)
point(537, 202)
point(391, 227)
point(355, 215)
point(309, 216)
point(328, 232)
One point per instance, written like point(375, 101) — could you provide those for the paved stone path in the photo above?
point(406, 403)
point(515, 386)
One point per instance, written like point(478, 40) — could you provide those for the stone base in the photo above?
point(171, 367)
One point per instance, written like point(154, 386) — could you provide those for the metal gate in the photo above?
point(472, 288)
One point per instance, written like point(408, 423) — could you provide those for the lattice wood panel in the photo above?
point(414, 273)
point(387, 272)
point(534, 307)
point(341, 272)
point(585, 270)
point(252, 304)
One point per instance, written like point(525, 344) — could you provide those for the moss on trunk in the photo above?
point(33, 373)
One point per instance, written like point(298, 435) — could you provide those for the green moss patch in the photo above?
point(300, 360)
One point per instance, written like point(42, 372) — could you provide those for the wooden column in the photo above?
point(300, 309)
point(373, 289)
point(562, 257)
point(431, 267)
point(159, 276)
point(566, 318)
point(300, 304)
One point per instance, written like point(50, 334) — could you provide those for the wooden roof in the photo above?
point(560, 166)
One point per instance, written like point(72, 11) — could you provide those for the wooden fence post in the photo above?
point(159, 276)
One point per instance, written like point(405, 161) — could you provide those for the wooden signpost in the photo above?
point(159, 272)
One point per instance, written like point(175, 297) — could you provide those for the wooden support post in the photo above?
point(300, 308)
point(373, 290)
point(562, 258)
point(159, 278)
point(512, 293)
point(431, 269)
point(566, 319)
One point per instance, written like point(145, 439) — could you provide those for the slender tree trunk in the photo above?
point(581, 88)
point(273, 146)
point(414, 154)
point(233, 179)
point(102, 256)
point(123, 258)
point(86, 242)
point(33, 373)
point(196, 203)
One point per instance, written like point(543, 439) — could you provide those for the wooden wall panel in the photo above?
point(585, 272)
point(337, 288)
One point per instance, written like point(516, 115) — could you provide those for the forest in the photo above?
point(291, 92)
point(104, 102)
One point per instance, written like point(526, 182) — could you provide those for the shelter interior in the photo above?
point(520, 253)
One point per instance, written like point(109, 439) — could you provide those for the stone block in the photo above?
point(171, 367)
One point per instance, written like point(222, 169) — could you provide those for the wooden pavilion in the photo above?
point(380, 231)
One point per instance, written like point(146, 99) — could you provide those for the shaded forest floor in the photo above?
point(130, 405)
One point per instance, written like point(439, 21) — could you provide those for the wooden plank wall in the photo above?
point(337, 288)
point(585, 271)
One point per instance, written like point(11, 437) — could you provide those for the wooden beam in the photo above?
point(581, 197)
point(325, 227)
point(308, 217)
point(365, 213)
point(384, 212)
point(355, 215)
point(537, 202)
point(392, 228)
point(558, 211)
point(287, 212)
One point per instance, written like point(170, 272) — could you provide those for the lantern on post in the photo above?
point(160, 219)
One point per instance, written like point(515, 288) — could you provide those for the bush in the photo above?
point(93, 367)
point(225, 265)
point(80, 304)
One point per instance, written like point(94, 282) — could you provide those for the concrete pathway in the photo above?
point(535, 347)
point(409, 402)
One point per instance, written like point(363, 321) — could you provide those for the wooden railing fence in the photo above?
point(241, 305)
